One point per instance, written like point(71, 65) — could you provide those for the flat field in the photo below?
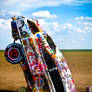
point(80, 63)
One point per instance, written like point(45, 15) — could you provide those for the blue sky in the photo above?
point(69, 22)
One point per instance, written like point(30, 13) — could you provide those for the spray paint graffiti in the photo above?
point(43, 64)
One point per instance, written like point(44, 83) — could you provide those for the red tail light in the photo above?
point(13, 53)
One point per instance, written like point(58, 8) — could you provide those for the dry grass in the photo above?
point(80, 63)
point(11, 75)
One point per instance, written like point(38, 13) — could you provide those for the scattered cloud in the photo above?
point(79, 18)
point(8, 14)
point(21, 5)
point(79, 27)
point(87, 24)
point(84, 23)
point(64, 33)
point(52, 27)
point(79, 30)
point(67, 26)
point(83, 18)
point(5, 24)
point(5, 33)
point(43, 14)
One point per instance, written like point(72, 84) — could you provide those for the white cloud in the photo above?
point(88, 18)
point(83, 18)
point(54, 26)
point(20, 5)
point(50, 27)
point(5, 24)
point(45, 26)
point(5, 33)
point(8, 14)
point(43, 14)
point(14, 13)
point(87, 24)
point(67, 26)
point(68, 32)
point(88, 29)
point(79, 30)
point(79, 18)
point(84, 24)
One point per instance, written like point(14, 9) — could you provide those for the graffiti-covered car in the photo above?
point(43, 64)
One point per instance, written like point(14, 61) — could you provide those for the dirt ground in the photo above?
point(80, 63)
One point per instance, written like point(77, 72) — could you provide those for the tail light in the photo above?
point(14, 53)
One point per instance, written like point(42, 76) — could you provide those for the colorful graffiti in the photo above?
point(43, 64)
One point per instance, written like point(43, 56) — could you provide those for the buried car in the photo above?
point(43, 64)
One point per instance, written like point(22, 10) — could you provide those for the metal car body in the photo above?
point(43, 64)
